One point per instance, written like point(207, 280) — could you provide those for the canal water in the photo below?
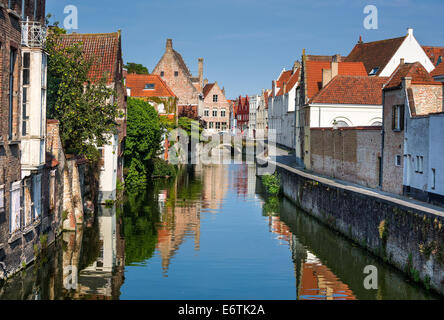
point(209, 234)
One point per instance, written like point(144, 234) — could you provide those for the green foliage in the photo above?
point(86, 115)
point(162, 168)
point(272, 206)
point(144, 136)
point(136, 68)
point(272, 184)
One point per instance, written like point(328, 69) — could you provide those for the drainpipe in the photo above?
point(382, 139)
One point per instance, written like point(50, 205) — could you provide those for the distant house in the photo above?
point(413, 147)
point(381, 58)
point(262, 115)
point(242, 115)
point(188, 88)
point(153, 89)
point(438, 73)
point(105, 51)
point(216, 108)
point(282, 106)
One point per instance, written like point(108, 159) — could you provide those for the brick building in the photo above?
point(188, 88)
point(24, 175)
point(216, 108)
point(411, 93)
point(242, 113)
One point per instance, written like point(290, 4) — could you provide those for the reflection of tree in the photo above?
point(141, 215)
point(272, 206)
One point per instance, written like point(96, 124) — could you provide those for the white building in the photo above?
point(381, 58)
point(262, 115)
point(281, 107)
point(255, 101)
point(33, 115)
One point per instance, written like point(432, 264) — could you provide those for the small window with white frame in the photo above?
point(2, 198)
point(419, 164)
point(398, 118)
point(206, 113)
point(398, 161)
point(215, 98)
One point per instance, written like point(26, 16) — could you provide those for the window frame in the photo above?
point(215, 98)
point(150, 86)
point(398, 112)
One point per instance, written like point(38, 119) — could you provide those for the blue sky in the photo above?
point(246, 43)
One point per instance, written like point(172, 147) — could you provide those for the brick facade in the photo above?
point(351, 154)
point(173, 70)
point(214, 92)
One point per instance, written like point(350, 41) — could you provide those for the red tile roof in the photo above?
point(415, 70)
point(102, 48)
point(207, 88)
point(285, 76)
point(314, 69)
point(434, 53)
point(294, 78)
point(439, 70)
point(137, 84)
point(352, 90)
point(375, 54)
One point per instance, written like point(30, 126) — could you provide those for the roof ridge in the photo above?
point(383, 40)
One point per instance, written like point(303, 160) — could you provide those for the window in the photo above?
point(211, 125)
point(14, 203)
point(26, 82)
point(224, 126)
point(214, 113)
point(223, 113)
point(11, 4)
point(215, 98)
point(23, 9)
point(433, 180)
point(102, 158)
point(2, 198)
point(35, 9)
point(374, 71)
point(27, 201)
point(26, 67)
point(37, 195)
point(218, 125)
point(398, 160)
point(398, 118)
point(176, 73)
point(52, 191)
point(206, 113)
point(419, 164)
point(12, 61)
point(149, 86)
point(162, 74)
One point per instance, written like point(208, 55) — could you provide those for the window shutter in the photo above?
point(393, 117)
point(401, 117)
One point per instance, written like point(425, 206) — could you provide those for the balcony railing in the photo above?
point(33, 34)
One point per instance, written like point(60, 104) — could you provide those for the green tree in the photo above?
point(136, 68)
point(83, 108)
point(143, 139)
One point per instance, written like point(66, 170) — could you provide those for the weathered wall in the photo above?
point(409, 239)
point(350, 154)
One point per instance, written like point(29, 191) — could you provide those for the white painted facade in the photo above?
point(411, 51)
point(423, 153)
point(108, 171)
point(325, 115)
point(261, 118)
point(33, 110)
point(254, 105)
point(281, 117)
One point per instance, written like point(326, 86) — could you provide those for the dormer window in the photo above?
point(374, 71)
point(149, 86)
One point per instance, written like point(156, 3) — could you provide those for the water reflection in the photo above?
point(209, 234)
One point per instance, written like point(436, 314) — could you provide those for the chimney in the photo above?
point(326, 76)
point(284, 88)
point(406, 82)
point(296, 66)
point(169, 45)
point(360, 40)
point(201, 61)
point(205, 82)
point(334, 69)
point(273, 88)
point(410, 32)
point(223, 90)
point(402, 61)
point(337, 58)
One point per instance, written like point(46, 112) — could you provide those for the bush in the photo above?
point(272, 184)
point(162, 168)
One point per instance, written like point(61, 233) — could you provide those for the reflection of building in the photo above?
point(245, 180)
point(98, 280)
point(215, 185)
